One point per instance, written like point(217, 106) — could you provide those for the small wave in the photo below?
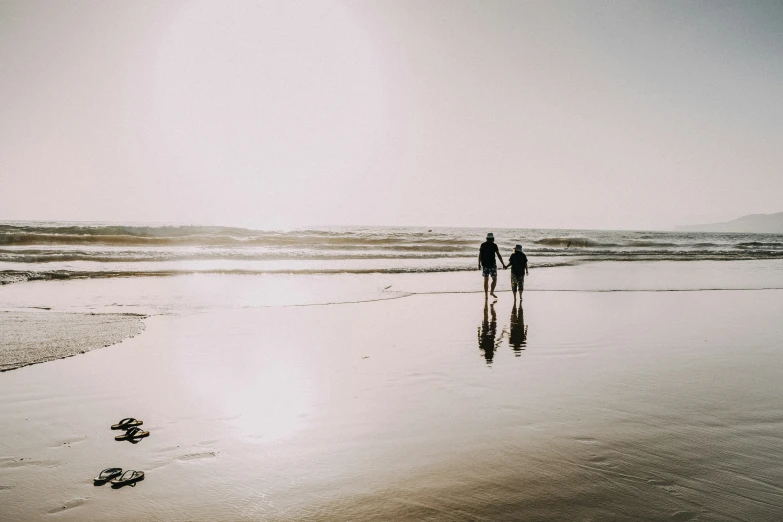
point(760, 244)
point(16, 235)
point(582, 242)
point(656, 244)
point(31, 239)
point(567, 242)
point(137, 257)
point(15, 276)
point(8, 276)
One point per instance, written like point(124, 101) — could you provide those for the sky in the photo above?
point(279, 114)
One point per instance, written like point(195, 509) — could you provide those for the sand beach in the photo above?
point(429, 404)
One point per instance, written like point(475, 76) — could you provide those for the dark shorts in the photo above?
point(489, 271)
point(517, 281)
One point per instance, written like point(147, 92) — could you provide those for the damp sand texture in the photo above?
point(39, 336)
point(638, 406)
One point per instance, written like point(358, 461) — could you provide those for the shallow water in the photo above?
point(203, 292)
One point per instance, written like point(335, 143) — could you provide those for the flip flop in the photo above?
point(133, 433)
point(124, 424)
point(108, 474)
point(130, 477)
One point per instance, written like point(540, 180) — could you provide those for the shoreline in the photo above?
point(122, 300)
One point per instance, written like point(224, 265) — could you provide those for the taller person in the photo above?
point(486, 262)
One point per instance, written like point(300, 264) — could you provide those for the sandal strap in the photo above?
point(131, 471)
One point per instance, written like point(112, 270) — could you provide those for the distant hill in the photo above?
point(754, 223)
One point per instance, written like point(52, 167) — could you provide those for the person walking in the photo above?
point(487, 264)
point(518, 263)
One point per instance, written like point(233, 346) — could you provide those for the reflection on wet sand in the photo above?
point(487, 332)
point(517, 335)
point(488, 338)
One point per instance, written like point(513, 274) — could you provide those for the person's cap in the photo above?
point(490, 236)
point(518, 248)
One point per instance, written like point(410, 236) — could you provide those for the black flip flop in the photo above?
point(107, 474)
point(129, 478)
point(124, 424)
point(133, 433)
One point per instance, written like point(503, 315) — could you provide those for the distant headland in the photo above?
point(754, 223)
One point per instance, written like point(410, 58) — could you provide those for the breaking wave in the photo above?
point(49, 251)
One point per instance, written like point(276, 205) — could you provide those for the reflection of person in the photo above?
point(517, 335)
point(518, 263)
point(486, 262)
point(487, 332)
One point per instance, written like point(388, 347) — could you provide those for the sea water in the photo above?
point(46, 251)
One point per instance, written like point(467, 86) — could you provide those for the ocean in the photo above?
point(57, 251)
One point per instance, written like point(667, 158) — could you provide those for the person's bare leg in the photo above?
point(486, 286)
point(494, 282)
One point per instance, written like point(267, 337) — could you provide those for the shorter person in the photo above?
point(518, 264)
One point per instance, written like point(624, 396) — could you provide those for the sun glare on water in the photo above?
point(270, 407)
point(260, 388)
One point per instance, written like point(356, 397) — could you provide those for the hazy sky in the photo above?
point(581, 114)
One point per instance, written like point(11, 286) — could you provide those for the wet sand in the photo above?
point(613, 406)
point(33, 337)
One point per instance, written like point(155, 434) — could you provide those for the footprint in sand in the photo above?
point(11, 462)
point(68, 442)
point(597, 459)
point(198, 456)
point(667, 486)
point(68, 505)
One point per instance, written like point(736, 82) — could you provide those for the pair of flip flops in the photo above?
point(132, 430)
point(119, 478)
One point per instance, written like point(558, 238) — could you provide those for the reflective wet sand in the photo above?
point(578, 406)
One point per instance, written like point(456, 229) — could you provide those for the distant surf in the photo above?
point(43, 251)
